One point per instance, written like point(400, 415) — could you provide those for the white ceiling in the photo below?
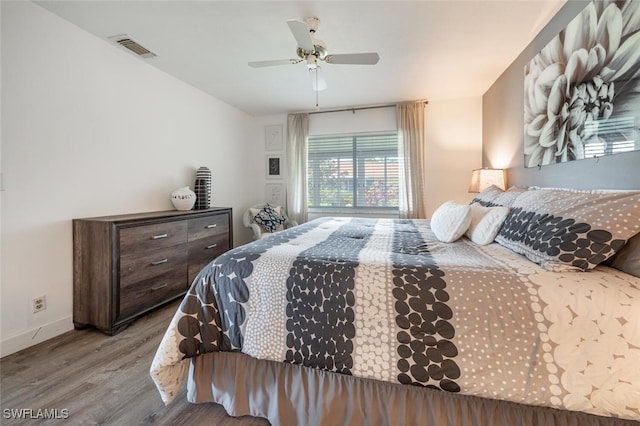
point(428, 49)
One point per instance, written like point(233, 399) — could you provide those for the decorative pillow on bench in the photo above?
point(269, 218)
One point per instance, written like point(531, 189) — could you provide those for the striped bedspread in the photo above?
point(383, 299)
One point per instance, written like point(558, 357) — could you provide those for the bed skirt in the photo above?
point(288, 394)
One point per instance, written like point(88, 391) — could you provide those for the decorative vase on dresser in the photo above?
point(126, 265)
point(202, 187)
point(183, 198)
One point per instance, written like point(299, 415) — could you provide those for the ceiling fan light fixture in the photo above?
point(319, 50)
point(317, 79)
point(312, 61)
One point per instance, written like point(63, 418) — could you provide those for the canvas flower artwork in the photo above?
point(582, 91)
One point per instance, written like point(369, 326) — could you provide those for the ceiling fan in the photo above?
point(312, 51)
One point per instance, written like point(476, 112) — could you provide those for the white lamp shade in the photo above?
point(484, 178)
point(317, 79)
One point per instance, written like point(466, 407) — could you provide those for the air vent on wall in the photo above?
point(126, 42)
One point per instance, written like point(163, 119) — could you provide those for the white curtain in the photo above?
point(411, 148)
point(297, 136)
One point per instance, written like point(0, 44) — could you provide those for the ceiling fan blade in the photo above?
point(300, 31)
point(261, 64)
point(317, 79)
point(370, 58)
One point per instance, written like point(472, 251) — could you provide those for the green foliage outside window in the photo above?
point(354, 171)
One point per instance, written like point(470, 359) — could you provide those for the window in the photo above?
point(353, 171)
point(609, 136)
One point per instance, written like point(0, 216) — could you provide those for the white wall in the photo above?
point(355, 121)
point(90, 130)
point(1, 174)
point(454, 149)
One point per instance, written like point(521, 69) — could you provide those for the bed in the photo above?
point(380, 321)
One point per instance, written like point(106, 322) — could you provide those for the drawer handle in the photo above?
point(157, 237)
point(158, 287)
point(211, 246)
point(211, 226)
point(159, 262)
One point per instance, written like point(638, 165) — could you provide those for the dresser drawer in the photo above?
point(208, 226)
point(149, 237)
point(148, 278)
point(204, 251)
point(141, 295)
point(140, 266)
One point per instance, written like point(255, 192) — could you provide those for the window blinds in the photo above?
point(353, 171)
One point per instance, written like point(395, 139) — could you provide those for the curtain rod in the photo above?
point(354, 109)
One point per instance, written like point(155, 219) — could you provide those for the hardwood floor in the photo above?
point(100, 380)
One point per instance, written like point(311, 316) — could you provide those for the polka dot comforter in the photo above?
point(384, 299)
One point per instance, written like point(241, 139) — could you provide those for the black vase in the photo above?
point(202, 188)
point(202, 194)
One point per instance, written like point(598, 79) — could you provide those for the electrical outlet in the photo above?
point(39, 304)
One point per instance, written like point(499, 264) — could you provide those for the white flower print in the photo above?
point(587, 73)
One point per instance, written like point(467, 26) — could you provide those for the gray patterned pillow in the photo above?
point(487, 195)
point(564, 229)
point(628, 258)
point(508, 197)
point(269, 218)
point(494, 196)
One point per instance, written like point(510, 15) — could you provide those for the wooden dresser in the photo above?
point(126, 265)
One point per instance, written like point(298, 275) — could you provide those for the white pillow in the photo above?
point(450, 221)
point(485, 223)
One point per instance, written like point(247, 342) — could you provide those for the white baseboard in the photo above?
point(35, 336)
